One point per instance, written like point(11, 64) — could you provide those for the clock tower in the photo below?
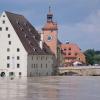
point(50, 31)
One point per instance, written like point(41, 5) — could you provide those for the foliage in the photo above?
point(92, 56)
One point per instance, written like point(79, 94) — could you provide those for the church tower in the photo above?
point(50, 31)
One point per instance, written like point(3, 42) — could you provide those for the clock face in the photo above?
point(49, 38)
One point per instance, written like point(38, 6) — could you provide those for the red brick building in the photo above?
point(71, 54)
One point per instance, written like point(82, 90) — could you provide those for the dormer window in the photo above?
point(21, 29)
point(29, 30)
point(25, 24)
point(34, 49)
point(17, 22)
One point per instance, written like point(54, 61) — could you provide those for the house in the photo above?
point(22, 50)
point(71, 54)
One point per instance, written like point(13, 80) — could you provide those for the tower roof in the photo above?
point(50, 24)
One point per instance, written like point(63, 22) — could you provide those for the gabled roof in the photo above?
point(27, 34)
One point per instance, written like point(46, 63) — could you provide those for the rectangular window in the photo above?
point(32, 65)
point(20, 73)
point(18, 65)
point(41, 65)
point(9, 42)
point(41, 58)
point(0, 28)
point(8, 65)
point(6, 28)
point(46, 65)
point(8, 49)
point(8, 35)
point(18, 57)
point(8, 57)
point(18, 49)
point(46, 58)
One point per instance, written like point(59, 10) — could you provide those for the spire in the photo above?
point(49, 15)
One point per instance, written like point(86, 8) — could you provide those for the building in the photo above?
point(50, 33)
point(22, 51)
point(72, 54)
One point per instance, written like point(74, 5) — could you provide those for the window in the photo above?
point(32, 65)
point(11, 73)
point(18, 57)
point(18, 65)
point(18, 49)
point(0, 28)
point(8, 57)
point(46, 65)
point(8, 65)
point(9, 42)
point(8, 49)
point(69, 48)
point(65, 49)
point(69, 53)
point(3, 21)
point(3, 15)
point(6, 28)
point(20, 73)
point(41, 65)
point(8, 35)
point(75, 54)
point(46, 58)
point(41, 58)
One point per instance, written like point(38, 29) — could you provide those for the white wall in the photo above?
point(15, 43)
point(34, 65)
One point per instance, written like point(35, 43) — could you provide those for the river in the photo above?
point(51, 88)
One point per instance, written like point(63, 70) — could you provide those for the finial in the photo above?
point(49, 8)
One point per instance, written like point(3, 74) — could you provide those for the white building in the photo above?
point(22, 53)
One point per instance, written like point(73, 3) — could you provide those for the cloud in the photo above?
point(86, 33)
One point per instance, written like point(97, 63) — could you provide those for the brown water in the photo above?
point(50, 88)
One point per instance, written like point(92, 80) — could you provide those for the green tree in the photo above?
point(90, 53)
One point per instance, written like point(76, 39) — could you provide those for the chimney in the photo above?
point(41, 41)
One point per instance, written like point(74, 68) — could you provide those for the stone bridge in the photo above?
point(80, 70)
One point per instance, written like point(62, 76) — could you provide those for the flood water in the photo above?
point(51, 88)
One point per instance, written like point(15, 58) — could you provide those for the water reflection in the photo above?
point(50, 88)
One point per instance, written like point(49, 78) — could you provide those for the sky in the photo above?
point(78, 20)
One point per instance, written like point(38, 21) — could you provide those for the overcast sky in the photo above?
point(78, 20)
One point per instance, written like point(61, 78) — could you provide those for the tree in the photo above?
point(89, 56)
